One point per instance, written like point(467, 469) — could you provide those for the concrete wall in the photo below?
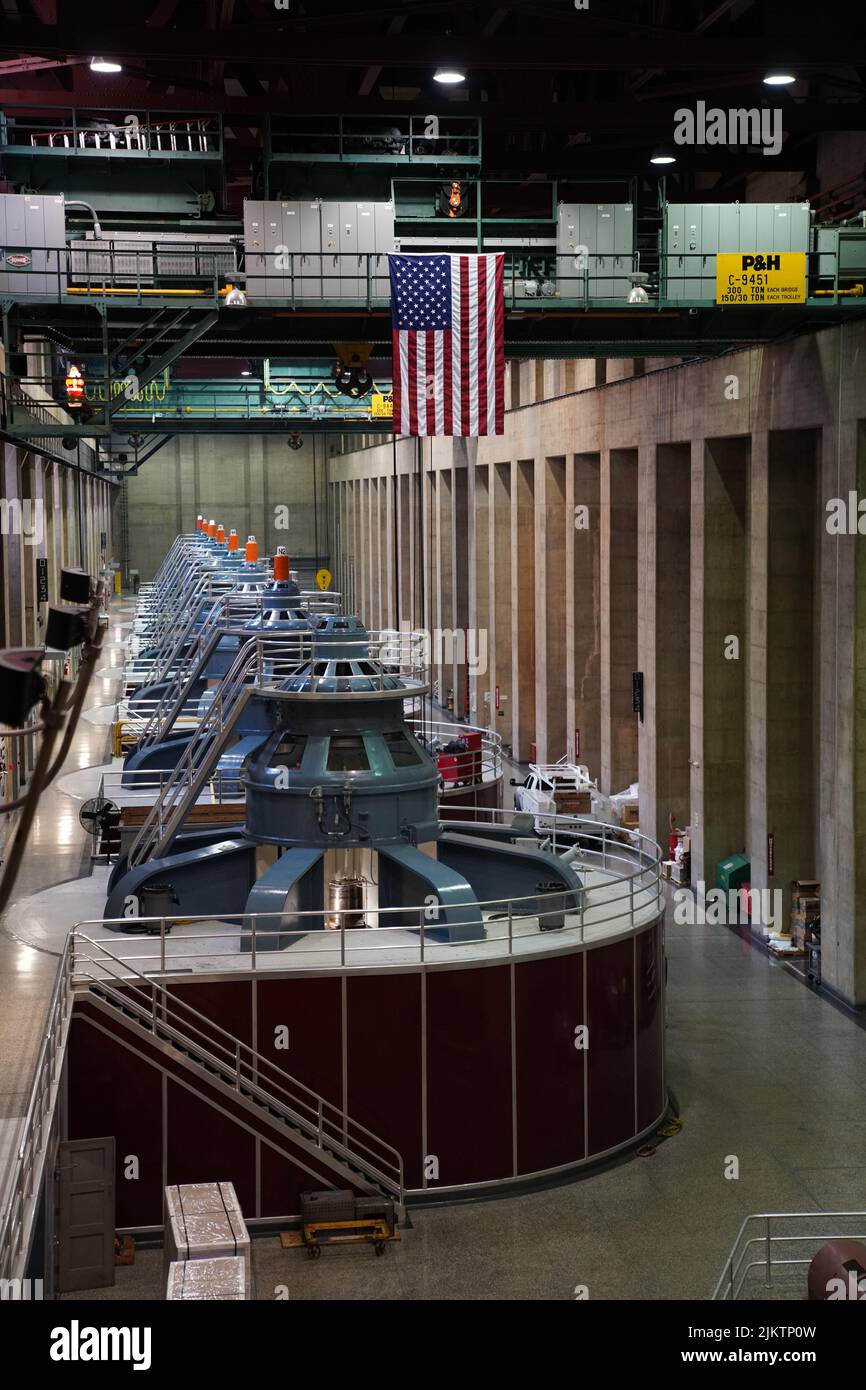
point(241, 480)
point(702, 559)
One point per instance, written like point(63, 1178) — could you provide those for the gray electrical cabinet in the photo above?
point(594, 247)
point(694, 232)
point(32, 236)
point(330, 243)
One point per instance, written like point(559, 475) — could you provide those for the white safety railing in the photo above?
point(460, 768)
point(22, 1185)
point(771, 1247)
point(622, 893)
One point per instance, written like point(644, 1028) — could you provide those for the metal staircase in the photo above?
point(230, 618)
point(188, 777)
point(190, 655)
point(189, 669)
point(231, 1066)
point(172, 631)
point(259, 663)
point(198, 607)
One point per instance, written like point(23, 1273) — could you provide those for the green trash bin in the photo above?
point(733, 872)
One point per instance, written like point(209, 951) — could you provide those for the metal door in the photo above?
point(254, 245)
point(85, 1217)
point(309, 286)
point(332, 266)
point(290, 237)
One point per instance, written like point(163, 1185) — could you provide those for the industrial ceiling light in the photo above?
point(449, 76)
point(779, 79)
point(663, 157)
point(104, 65)
point(235, 298)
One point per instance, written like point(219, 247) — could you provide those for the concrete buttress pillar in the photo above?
point(664, 489)
point(478, 538)
point(464, 452)
point(618, 499)
point(583, 611)
point(499, 582)
point(718, 624)
point(522, 608)
point(842, 812)
point(550, 638)
point(781, 743)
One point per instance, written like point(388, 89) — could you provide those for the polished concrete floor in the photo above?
point(763, 1071)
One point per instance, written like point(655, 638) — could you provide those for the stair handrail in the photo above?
point(187, 777)
point(322, 1120)
point(218, 624)
point(34, 1137)
point(189, 774)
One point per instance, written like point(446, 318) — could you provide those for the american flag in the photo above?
point(448, 330)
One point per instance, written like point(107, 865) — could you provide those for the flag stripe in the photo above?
point(433, 382)
point(412, 380)
point(465, 350)
point(447, 387)
point(499, 320)
point(482, 425)
point(398, 376)
point(439, 404)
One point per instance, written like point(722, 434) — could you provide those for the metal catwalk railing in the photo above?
point(621, 892)
point(231, 610)
point(771, 1246)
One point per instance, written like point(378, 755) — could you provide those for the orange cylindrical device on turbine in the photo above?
point(233, 539)
point(211, 528)
point(221, 534)
point(199, 522)
point(281, 565)
point(252, 551)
